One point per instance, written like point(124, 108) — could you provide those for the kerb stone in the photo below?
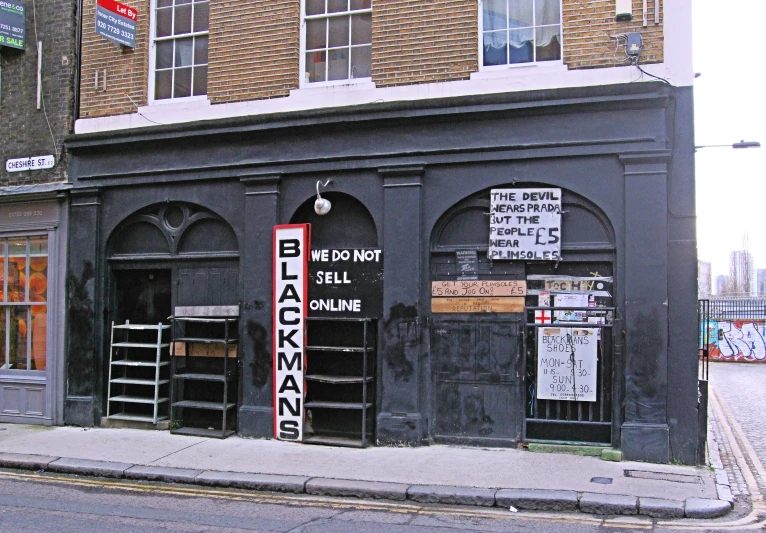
point(265, 482)
point(161, 473)
point(88, 467)
point(537, 499)
point(608, 503)
point(659, 508)
point(706, 508)
point(25, 461)
point(452, 495)
point(356, 489)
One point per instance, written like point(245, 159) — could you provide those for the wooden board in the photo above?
point(479, 288)
point(492, 304)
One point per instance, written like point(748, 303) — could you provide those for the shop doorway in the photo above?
point(142, 296)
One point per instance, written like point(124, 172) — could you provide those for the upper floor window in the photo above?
point(520, 31)
point(337, 43)
point(180, 48)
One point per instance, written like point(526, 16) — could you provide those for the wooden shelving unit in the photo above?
point(204, 383)
point(340, 378)
point(137, 378)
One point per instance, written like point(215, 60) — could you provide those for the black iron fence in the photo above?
point(737, 308)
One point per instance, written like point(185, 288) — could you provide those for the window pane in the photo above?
point(38, 245)
point(3, 328)
point(315, 65)
point(38, 332)
point(182, 22)
point(548, 44)
point(179, 2)
point(338, 65)
point(547, 12)
point(38, 270)
point(200, 50)
point(201, 16)
point(200, 81)
point(495, 15)
point(520, 46)
point(164, 3)
point(495, 48)
point(164, 22)
point(361, 62)
point(334, 6)
point(2, 279)
point(182, 83)
point(314, 7)
point(17, 336)
point(338, 32)
point(520, 13)
point(316, 34)
point(361, 29)
point(184, 52)
point(17, 270)
point(164, 54)
point(163, 84)
point(361, 4)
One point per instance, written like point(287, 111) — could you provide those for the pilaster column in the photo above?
point(399, 419)
point(261, 215)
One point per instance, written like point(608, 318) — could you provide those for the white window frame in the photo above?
point(302, 83)
point(153, 59)
point(509, 66)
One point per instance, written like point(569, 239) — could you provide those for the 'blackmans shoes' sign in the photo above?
point(12, 24)
point(291, 253)
point(116, 21)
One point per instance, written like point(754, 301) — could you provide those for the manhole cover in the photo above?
point(664, 476)
point(601, 480)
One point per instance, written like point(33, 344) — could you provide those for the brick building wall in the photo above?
point(423, 41)
point(126, 68)
point(24, 130)
point(254, 49)
point(589, 25)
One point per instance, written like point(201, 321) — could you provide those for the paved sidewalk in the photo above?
point(438, 474)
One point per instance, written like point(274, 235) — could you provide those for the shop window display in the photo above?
point(23, 303)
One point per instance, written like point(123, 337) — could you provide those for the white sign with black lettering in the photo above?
point(291, 252)
point(525, 224)
point(561, 376)
point(40, 162)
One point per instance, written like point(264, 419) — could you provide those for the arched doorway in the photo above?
point(484, 364)
point(345, 266)
point(169, 255)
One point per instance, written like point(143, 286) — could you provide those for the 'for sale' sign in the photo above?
point(116, 22)
point(12, 24)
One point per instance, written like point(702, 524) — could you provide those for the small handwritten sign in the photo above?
point(479, 288)
point(567, 363)
point(490, 304)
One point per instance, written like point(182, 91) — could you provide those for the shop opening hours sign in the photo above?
point(525, 224)
point(567, 363)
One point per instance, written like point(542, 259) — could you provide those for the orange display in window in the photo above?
point(38, 283)
point(38, 264)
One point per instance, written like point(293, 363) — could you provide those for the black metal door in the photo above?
point(475, 361)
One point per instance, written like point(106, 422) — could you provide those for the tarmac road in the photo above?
point(51, 503)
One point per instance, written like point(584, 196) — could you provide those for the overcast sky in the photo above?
point(729, 106)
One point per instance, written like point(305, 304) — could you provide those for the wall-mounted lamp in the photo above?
point(322, 205)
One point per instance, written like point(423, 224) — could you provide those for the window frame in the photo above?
point(6, 372)
point(302, 83)
point(153, 39)
point(533, 63)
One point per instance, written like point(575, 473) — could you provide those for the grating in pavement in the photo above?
point(664, 476)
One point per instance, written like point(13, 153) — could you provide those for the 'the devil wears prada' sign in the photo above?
point(291, 253)
point(525, 224)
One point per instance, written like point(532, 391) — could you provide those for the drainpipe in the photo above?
point(78, 53)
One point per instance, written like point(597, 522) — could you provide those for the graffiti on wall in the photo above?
point(738, 340)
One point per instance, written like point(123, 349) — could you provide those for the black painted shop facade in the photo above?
point(183, 215)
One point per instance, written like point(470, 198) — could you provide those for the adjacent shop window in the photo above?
point(520, 31)
point(23, 307)
point(180, 48)
point(337, 42)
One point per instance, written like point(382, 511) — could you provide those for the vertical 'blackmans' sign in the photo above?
point(12, 24)
point(116, 21)
point(291, 253)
